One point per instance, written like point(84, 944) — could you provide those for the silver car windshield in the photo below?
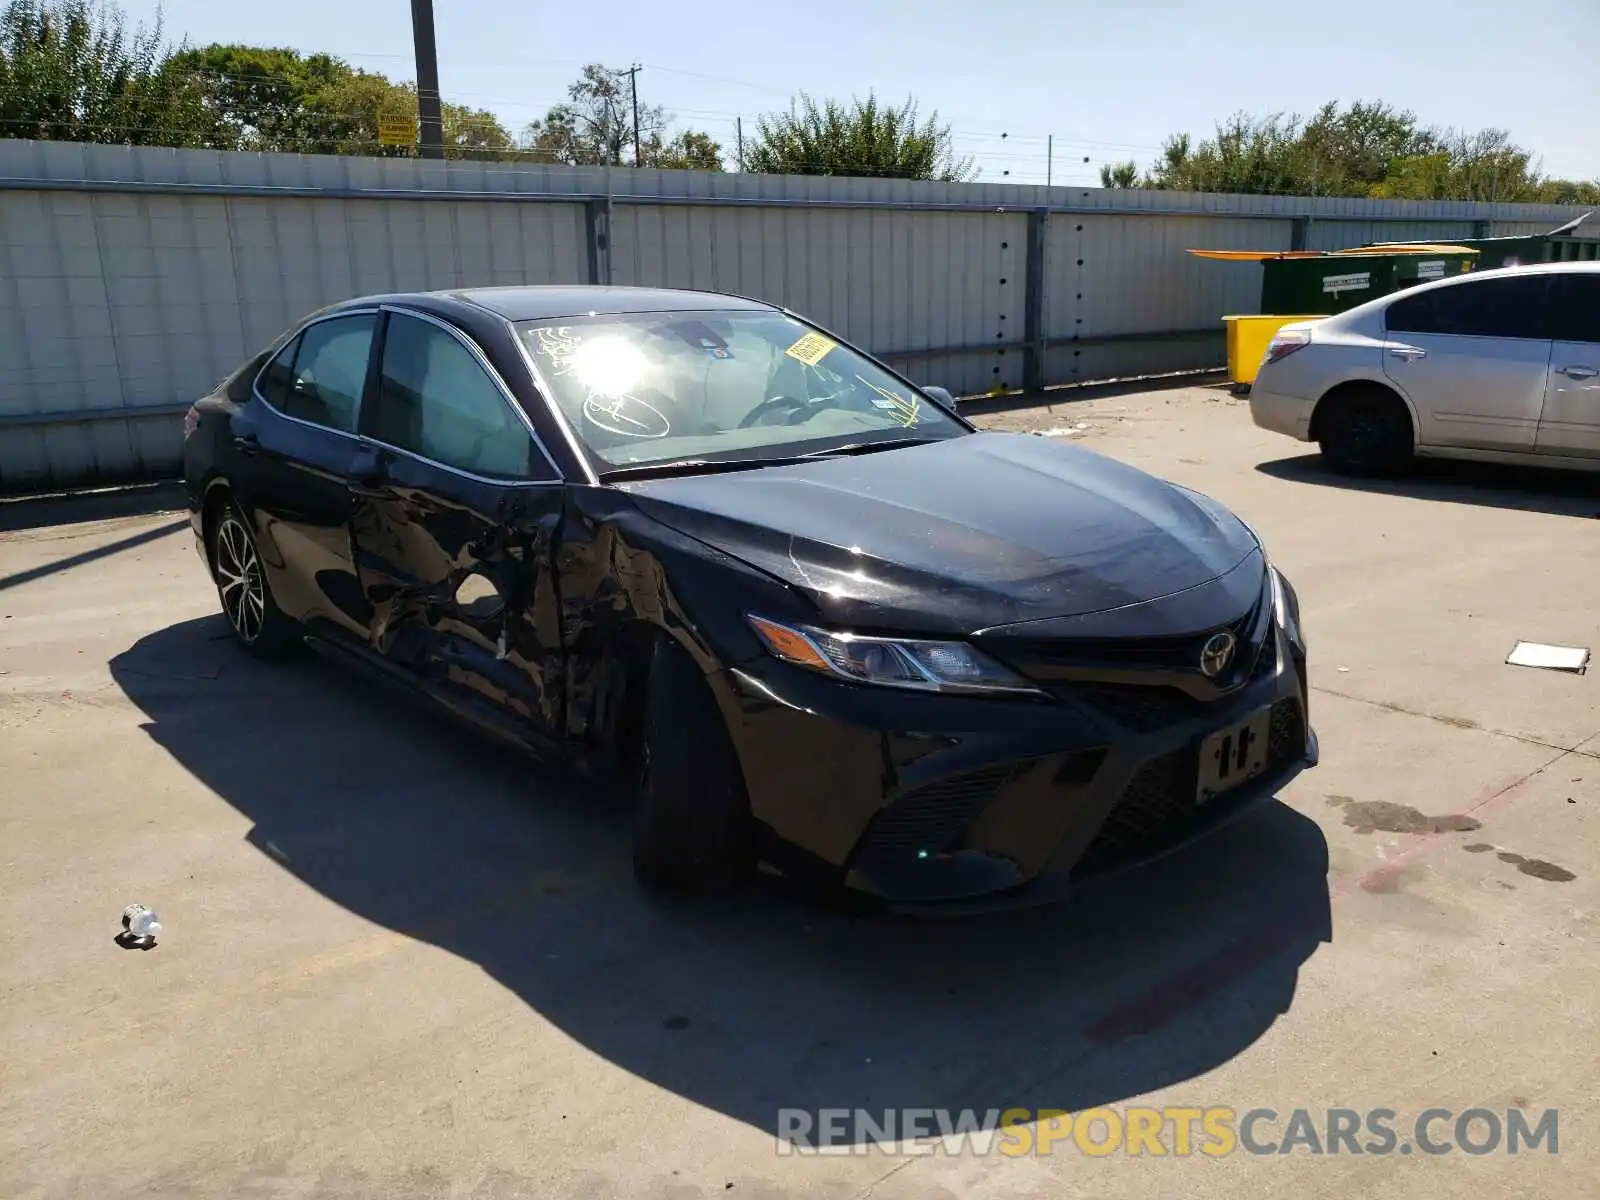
point(655, 387)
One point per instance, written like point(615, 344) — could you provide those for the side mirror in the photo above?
point(942, 395)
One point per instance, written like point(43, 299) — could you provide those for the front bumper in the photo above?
point(946, 801)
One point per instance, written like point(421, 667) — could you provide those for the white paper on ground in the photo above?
point(1551, 658)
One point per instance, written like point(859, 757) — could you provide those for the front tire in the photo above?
point(692, 827)
point(258, 624)
point(1366, 433)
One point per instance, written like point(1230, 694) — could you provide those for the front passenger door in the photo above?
point(455, 509)
point(1570, 424)
point(1472, 357)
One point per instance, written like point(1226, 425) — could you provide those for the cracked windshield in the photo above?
point(659, 387)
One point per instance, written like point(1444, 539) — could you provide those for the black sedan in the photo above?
point(809, 615)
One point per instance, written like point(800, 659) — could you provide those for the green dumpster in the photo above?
point(1332, 283)
point(1556, 246)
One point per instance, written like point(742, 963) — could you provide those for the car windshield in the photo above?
point(659, 387)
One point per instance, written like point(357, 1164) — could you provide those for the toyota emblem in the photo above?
point(1216, 656)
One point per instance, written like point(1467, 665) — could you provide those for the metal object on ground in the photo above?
point(1551, 658)
point(140, 925)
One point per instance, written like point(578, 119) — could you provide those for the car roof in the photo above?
point(1577, 267)
point(537, 303)
point(1583, 267)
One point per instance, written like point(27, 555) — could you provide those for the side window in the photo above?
point(1508, 307)
point(329, 372)
point(275, 380)
point(1575, 307)
point(436, 400)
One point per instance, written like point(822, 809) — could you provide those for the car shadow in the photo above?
point(752, 1003)
point(1453, 481)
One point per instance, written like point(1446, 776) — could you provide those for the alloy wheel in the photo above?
point(244, 595)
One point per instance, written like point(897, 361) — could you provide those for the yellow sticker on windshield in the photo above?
point(811, 349)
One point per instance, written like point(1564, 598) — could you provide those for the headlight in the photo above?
point(923, 666)
point(1286, 607)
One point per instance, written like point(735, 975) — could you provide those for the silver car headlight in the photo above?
point(914, 663)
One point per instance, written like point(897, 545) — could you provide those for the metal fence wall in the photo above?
point(131, 280)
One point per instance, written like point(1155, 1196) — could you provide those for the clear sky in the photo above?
point(1109, 79)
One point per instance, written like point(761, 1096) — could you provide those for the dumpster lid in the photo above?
point(1382, 248)
point(1390, 248)
point(1256, 255)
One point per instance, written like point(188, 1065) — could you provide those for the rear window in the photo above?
point(1508, 306)
point(236, 387)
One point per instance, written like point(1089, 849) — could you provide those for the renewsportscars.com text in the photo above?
point(1213, 1131)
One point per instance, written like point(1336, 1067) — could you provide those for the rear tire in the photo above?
point(692, 827)
point(1365, 432)
point(258, 624)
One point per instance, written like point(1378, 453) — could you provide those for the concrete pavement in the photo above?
point(401, 962)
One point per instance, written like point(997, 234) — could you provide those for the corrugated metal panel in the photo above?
point(137, 301)
point(71, 160)
point(1067, 363)
point(890, 281)
point(1341, 235)
point(1116, 275)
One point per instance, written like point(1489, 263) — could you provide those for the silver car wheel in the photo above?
point(239, 581)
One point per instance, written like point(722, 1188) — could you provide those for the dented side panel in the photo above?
point(458, 575)
point(625, 578)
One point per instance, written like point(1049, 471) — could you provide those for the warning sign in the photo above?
point(1357, 282)
point(811, 349)
point(397, 131)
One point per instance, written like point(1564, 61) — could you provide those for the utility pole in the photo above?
point(633, 88)
point(432, 141)
point(1050, 157)
point(738, 130)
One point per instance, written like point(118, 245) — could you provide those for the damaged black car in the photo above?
point(814, 619)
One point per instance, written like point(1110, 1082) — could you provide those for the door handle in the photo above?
point(1580, 372)
point(1408, 352)
point(246, 443)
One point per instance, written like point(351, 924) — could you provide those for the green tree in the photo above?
point(1568, 191)
point(1120, 175)
point(861, 138)
point(260, 93)
point(273, 98)
point(73, 70)
point(690, 150)
point(595, 128)
point(1480, 166)
point(1366, 149)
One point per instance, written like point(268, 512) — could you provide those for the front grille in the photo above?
point(932, 817)
point(1286, 739)
point(1144, 709)
point(1157, 809)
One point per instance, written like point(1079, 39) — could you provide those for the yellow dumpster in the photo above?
point(1248, 337)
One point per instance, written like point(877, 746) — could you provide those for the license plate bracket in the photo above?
point(1233, 755)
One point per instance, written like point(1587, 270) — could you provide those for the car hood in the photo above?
point(960, 535)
